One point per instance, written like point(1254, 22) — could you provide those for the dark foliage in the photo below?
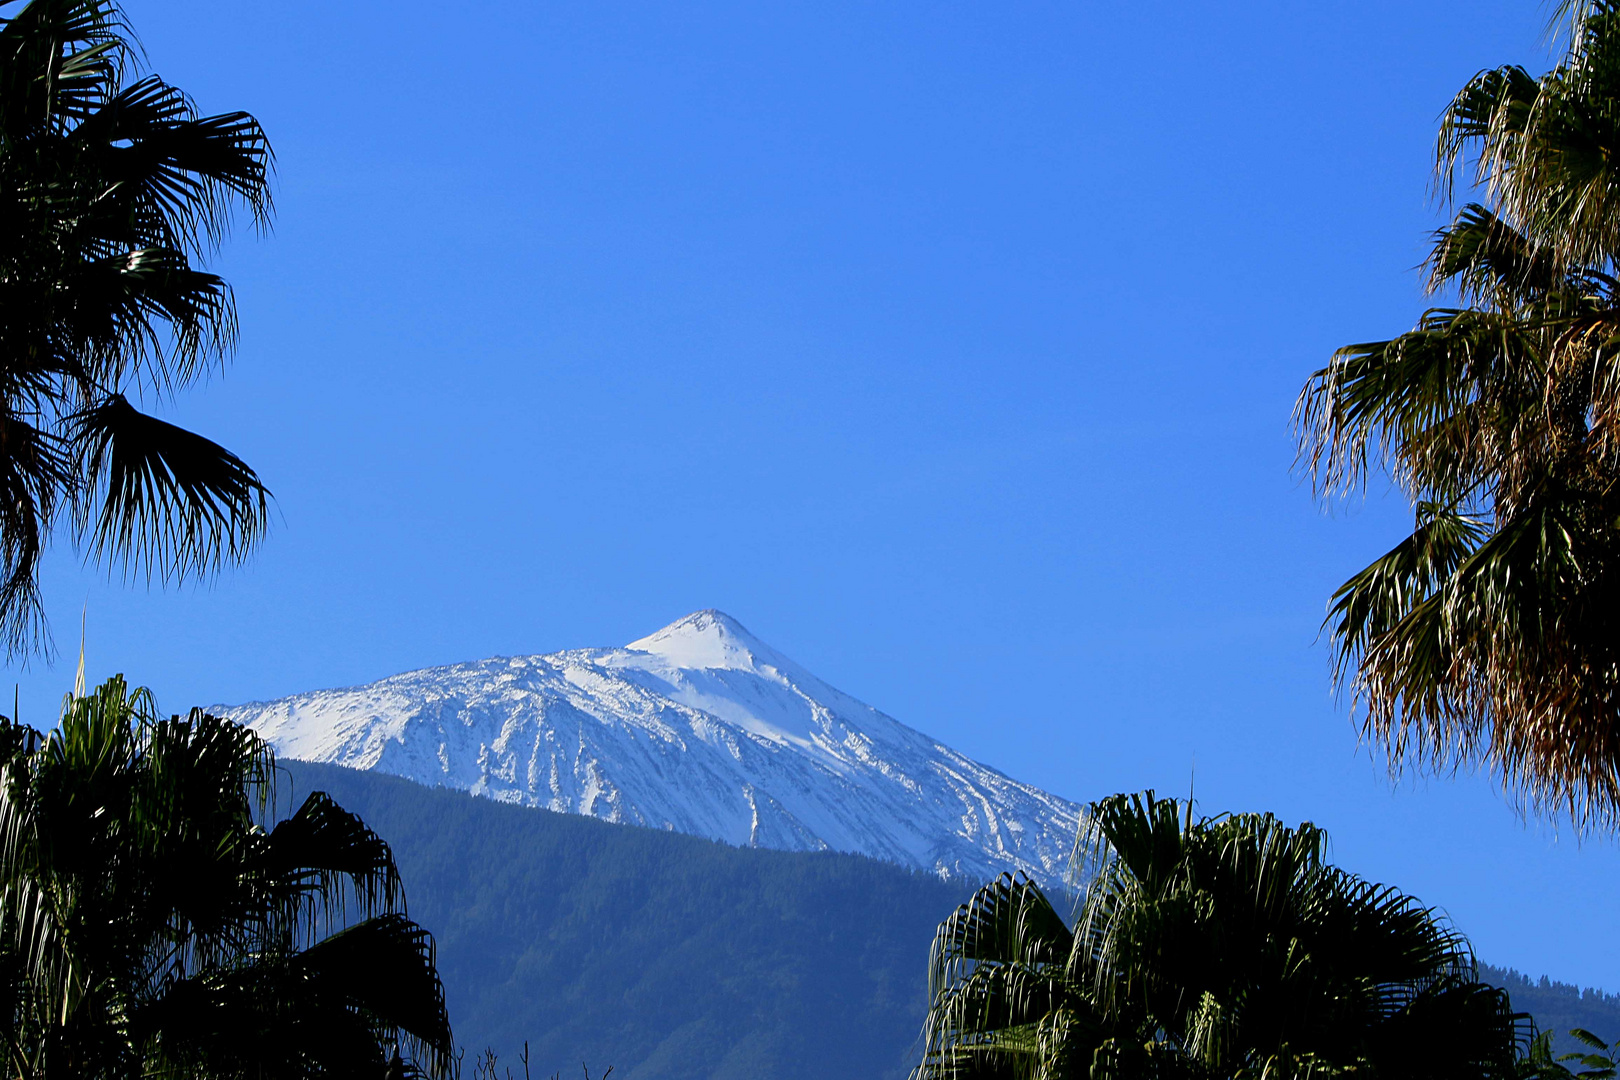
point(1559, 1007)
point(1220, 948)
point(159, 918)
point(113, 191)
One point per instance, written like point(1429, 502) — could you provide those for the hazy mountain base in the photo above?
point(1558, 1007)
point(666, 956)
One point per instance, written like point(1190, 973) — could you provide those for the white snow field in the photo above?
point(700, 728)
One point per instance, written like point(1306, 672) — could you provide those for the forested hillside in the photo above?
point(666, 956)
point(1558, 1006)
point(675, 958)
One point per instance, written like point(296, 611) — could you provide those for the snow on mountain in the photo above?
point(700, 728)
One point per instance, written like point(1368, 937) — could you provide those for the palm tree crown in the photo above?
point(1205, 950)
point(156, 920)
point(1486, 636)
point(112, 190)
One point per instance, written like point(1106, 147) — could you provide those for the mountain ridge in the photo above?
point(700, 728)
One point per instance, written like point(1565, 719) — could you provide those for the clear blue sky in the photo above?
point(950, 347)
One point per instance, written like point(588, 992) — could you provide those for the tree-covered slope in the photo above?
point(666, 956)
point(676, 958)
point(1558, 1007)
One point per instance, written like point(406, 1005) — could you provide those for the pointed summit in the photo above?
point(708, 639)
point(699, 728)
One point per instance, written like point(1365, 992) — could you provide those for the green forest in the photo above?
point(1559, 1007)
point(659, 954)
point(669, 956)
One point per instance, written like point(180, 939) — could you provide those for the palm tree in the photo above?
point(157, 920)
point(1486, 636)
point(1207, 949)
point(1601, 1061)
point(113, 190)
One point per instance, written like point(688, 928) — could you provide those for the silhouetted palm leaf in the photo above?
point(111, 193)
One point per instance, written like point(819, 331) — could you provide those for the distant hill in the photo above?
point(1558, 1007)
point(666, 956)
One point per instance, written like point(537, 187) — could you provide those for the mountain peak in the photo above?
point(707, 639)
point(699, 728)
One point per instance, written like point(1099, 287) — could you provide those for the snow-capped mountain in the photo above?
point(700, 728)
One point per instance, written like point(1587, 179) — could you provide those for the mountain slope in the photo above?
point(665, 956)
point(699, 728)
point(675, 958)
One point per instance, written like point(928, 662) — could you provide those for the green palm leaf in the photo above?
point(1209, 948)
point(149, 924)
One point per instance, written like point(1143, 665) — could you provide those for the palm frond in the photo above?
point(1488, 260)
point(322, 855)
point(384, 968)
point(173, 504)
point(1206, 948)
point(144, 910)
point(114, 189)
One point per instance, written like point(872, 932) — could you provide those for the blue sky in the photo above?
point(950, 347)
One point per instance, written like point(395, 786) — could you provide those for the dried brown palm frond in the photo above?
point(1487, 637)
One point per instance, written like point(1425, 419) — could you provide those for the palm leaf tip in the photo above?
point(171, 502)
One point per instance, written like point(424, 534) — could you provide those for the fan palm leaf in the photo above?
point(113, 192)
point(1484, 638)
